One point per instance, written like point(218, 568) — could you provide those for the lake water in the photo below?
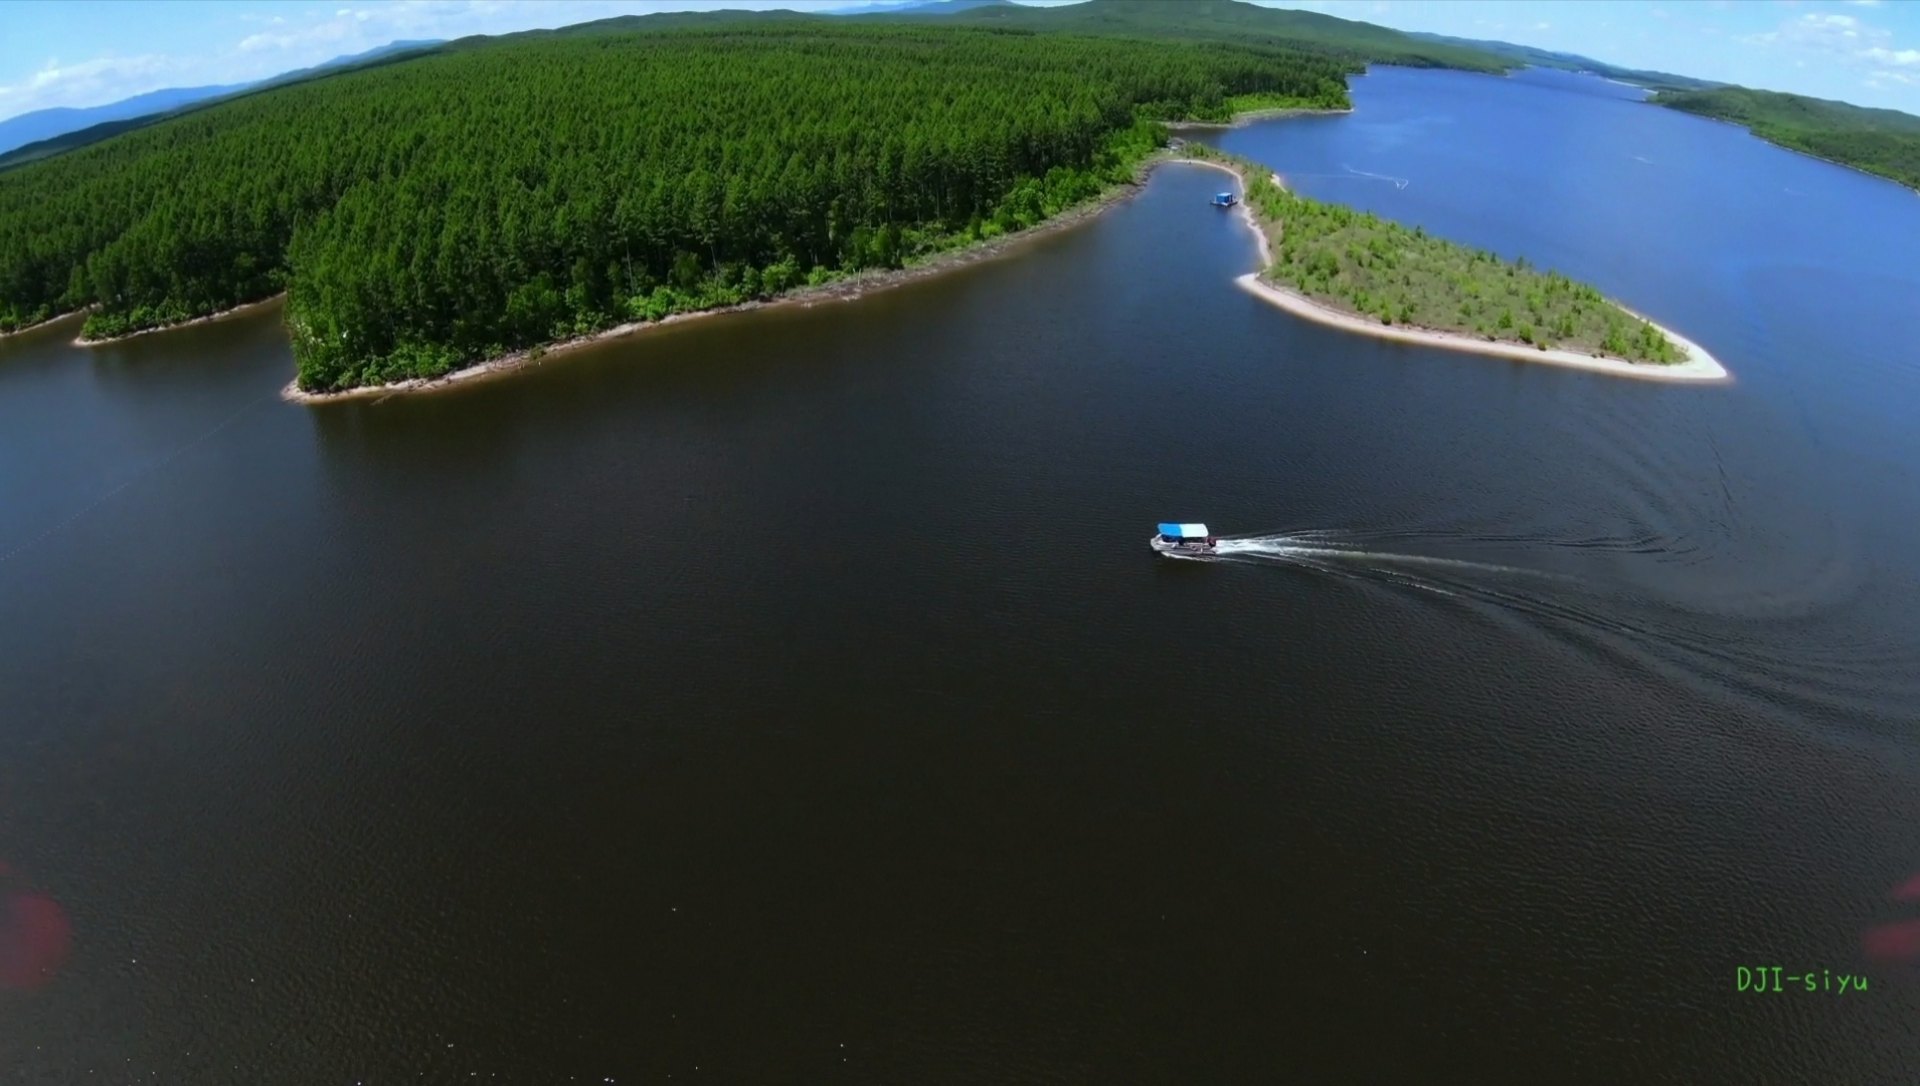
point(793, 697)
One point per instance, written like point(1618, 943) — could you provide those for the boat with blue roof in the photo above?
point(1184, 541)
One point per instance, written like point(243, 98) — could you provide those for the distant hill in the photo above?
point(1573, 62)
point(917, 7)
point(1879, 141)
point(1223, 20)
point(353, 60)
point(50, 131)
point(44, 124)
point(719, 18)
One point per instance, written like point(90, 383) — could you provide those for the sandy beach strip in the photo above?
point(1700, 366)
point(56, 319)
point(244, 307)
point(1252, 115)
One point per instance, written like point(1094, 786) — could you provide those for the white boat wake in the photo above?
point(1336, 552)
point(1352, 174)
point(1613, 619)
point(1398, 182)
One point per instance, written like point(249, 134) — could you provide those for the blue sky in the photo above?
point(88, 52)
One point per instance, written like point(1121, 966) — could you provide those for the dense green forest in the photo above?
point(1361, 263)
point(432, 212)
point(1880, 141)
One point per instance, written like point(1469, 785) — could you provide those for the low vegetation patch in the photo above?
point(1360, 263)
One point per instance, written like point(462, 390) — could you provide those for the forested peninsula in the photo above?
point(433, 213)
point(1879, 141)
point(1367, 274)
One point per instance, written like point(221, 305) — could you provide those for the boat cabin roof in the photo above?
point(1184, 531)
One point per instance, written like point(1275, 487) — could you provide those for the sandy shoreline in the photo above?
point(44, 323)
point(1253, 115)
point(83, 341)
point(1700, 366)
point(840, 290)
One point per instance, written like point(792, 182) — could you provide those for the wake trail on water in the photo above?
point(1350, 174)
point(1619, 619)
point(1564, 598)
point(1326, 549)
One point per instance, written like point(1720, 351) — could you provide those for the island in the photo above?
point(1356, 271)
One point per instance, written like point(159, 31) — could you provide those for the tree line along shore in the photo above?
point(429, 216)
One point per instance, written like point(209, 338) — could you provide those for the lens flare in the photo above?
point(35, 936)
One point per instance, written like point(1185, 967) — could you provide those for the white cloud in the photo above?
point(1815, 29)
point(316, 38)
point(87, 82)
point(1844, 38)
point(1901, 57)
point(1846, 46)
point(281, 42)
point(1543, 26)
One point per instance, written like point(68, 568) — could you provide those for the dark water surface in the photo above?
point(793, 698)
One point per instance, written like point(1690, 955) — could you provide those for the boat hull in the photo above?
point(1181, 550)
